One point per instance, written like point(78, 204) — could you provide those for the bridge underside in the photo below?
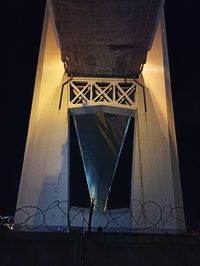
point(105, 38)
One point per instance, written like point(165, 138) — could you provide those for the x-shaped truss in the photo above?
point(109, 91)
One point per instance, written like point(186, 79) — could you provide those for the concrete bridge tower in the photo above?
point(102, 102)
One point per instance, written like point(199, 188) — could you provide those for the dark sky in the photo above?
point(182, 19)
point(21, 25)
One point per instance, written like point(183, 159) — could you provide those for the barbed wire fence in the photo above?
point(140, 217)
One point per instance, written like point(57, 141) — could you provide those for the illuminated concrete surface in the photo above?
point(156, 163)
point(45, 174)
point(45, 165)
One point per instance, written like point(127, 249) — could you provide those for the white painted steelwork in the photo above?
point(94, 91)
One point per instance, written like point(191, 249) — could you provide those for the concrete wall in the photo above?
point(35, 249)
point(51, 249)
point(156, 176)
point(142, 250)
point(45, 166)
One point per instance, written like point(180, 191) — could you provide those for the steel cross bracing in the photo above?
point(90, 91)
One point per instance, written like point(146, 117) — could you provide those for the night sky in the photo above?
point(21, 26)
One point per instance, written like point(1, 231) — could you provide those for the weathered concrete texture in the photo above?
point(57, 249)
point(105, 38)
